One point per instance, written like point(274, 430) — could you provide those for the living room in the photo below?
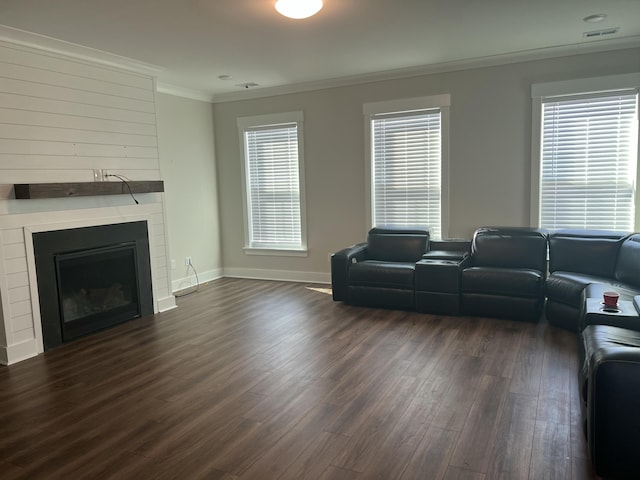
point(488, 175)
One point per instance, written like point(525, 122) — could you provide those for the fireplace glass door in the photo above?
point(97, 288)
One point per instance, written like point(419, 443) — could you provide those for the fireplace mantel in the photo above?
point(25, 191)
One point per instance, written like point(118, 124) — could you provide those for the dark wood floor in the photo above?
point(269, 380)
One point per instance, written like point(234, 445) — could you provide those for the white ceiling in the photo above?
point(195, 41)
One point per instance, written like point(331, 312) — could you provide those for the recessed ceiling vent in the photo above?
point(247, 85)
point(601, 33)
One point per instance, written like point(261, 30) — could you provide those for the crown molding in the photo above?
point(593, 46)
point(178, 91)
point(42, 43)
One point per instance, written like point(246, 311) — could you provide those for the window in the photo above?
point(588, 155)
point(273, 174)
point(408, 169)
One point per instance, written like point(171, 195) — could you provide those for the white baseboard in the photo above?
point(18, 352)
point(280, 275)
point(186, 282)
point(166, 303)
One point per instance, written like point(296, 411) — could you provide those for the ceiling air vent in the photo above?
point(601, 33)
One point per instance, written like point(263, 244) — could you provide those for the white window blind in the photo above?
point(406, 169)
point(273, 187)
point(588, 161)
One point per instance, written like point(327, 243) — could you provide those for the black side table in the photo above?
point(437, 285)
point(624, 316)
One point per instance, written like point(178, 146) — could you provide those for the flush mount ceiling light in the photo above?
point(298, 8)
point(598, 17)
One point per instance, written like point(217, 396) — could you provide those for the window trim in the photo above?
point(568, 88)
point(369, 110)
point(274, 119)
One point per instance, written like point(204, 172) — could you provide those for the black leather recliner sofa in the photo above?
point(506, 274)
point(380, 272)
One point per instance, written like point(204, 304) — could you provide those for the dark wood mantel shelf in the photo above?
point(83, 189)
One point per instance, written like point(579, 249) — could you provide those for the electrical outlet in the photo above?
point(97, 175)
point(173, 264)
point(187, 261)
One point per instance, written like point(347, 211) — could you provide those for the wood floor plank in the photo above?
point(275, 380)
point(335, 473)
point(456, 473)
point(431, 457)
point(527, 372)
point(463, 377)
point(581, 468)
point(494, 359)
point(478, 435)
point(551, 454)
point(375, 426)
point(238, 457)
point(388, 386)
point(284, 452)
point(390, 460)
point(556, 383)
point(315, 459)
point(511, 454)
point(10, 472)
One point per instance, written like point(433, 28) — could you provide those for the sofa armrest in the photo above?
point(466, 262)
point(448, 250)
point(340, 262)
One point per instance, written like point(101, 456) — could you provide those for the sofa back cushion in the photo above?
point(510, 247)
point(396, 244)
point(628, 264)
point(592, 252)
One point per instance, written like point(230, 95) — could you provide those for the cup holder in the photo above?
point(610, 309)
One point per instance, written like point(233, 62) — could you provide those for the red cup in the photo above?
point(611, 299)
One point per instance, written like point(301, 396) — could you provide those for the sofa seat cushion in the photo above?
point(517, 282)
point(378, 273)
point(567, 287)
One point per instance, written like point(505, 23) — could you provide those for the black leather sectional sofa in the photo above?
point(516, 273)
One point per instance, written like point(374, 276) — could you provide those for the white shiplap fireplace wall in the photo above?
point(65, 111)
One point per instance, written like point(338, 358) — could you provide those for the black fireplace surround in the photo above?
point(92, 278)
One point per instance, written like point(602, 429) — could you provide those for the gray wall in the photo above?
point(490, 164)
point(187, 162)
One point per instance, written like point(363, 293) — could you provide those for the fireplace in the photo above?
point(91, 278)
